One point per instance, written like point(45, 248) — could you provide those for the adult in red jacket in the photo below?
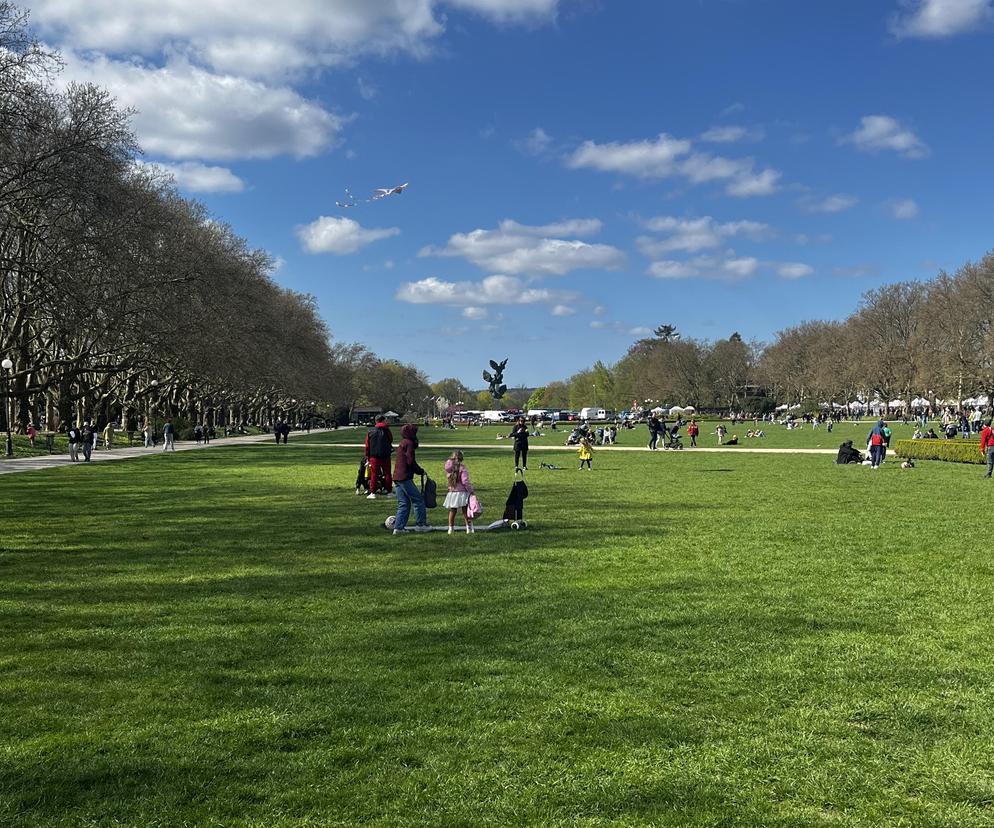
point(379, 447)
point(987, 445)
point(407, 492)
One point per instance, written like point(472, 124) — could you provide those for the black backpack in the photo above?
point(429, 491)
point(379, 444)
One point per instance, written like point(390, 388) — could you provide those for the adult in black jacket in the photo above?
point(847, 454)
point(520, 436)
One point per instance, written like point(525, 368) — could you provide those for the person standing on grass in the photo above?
point(379, 447)
point(169, 436)
point(586, 452)
point(403, 478)
point(520, 436)
point(692, 431)
point(885, 430)
point(987, 445)
point(721, 431)
point(459, 491)
point(875, 442)
point(654, 426)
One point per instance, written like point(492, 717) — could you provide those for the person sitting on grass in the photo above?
point(734, 441)
point(931, 435)
point(918, 434)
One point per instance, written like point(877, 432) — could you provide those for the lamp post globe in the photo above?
point(7, 366)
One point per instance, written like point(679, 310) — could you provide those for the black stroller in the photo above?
point(673, 439)
point(577, 434)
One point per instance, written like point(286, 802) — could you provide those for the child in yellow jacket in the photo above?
point(586, 452)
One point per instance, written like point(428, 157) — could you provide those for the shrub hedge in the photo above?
point(955, 451)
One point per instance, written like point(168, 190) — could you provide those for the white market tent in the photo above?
point(676, 410)
point(857, 404)
point(689, 409)
point(658, 410)
point(391, 414)
point(783, 407)
point(795, 407)
point(897, 404)
point(920, 402)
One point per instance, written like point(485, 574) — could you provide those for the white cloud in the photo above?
point(751, 184)
point(693, 235)
point(830, 204)
point(185, 112)
point(731, 134)
point(195, 177)
point(794, 270)
point(493, 290)
point(340, 235)
point(726, 267)
point(882, 132)
point(903, 208)
point(475, 312)
point(246, 37)
point(643, 159)
point(563, 310)
point(639, 331)
point(941, 18)
point(667, 157)
point(537, 142)
point(518, 249)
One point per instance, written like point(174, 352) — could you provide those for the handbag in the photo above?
point(429, 491)
point(475, 508)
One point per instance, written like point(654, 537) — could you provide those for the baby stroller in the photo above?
point(673, 439)
point(362, 480)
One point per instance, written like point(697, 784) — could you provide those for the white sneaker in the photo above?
point(470, 530)
point(371, 496)
point(401, 531)
point(451, 530)
point(422, 527)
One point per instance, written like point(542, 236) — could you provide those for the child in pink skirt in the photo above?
point(459, 491)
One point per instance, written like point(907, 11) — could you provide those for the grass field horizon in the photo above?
point(229, 637)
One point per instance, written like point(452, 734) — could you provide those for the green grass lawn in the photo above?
point(227, 637)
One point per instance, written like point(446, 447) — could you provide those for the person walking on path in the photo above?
point(278, 430)
point(692, 431)
point(198, 433)
point(148, 435)
point(169, 436)
point(653, 423)
point(74, 435)
point(379, 447)
point(89, 435)
point(520, 436)
point(109, 435)
point(987, 445)
point(209, 434)
point(586, 453)
point(875, 442)
point(459, 491)
point(403, 478)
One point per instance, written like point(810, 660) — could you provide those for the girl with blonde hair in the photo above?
point(459, 491)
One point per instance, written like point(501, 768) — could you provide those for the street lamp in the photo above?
point(8, 366)
point(155, 406)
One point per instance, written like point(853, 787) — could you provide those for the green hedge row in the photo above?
point(956, 450)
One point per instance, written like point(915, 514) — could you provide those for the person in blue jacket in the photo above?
point(875, 441)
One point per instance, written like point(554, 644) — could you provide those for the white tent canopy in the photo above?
point(857, 404)
point(658, 410)
point(783, 407)
point(676, 410)
point(689, 409)
point(795, 407)
point(897, 404)
point(919, 402)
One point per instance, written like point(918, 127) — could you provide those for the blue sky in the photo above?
point(579, 171)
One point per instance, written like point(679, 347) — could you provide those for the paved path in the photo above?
point(536, 447)
point(51, 461)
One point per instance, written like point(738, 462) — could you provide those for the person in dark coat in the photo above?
point(848, 454)
point(520, 436)
point(403, 477)
point(379, 447)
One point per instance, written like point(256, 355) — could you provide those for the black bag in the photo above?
point(429, 491)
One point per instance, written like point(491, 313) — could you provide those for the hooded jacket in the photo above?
point(407, 466)
point(876, 435)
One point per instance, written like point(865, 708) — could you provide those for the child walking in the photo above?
point(586, 452)
point(459, 491)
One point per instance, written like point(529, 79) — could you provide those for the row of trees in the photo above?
point(933, 339)
point(119, 299)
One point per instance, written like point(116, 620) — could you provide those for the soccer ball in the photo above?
point(390, 521)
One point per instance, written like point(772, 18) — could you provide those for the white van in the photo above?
point(594, 413)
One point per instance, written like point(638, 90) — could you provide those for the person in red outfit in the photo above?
point(379, 447)
point(987, 445)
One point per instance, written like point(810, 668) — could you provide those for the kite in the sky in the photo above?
point(496, 380)
point(383, 192)
point(349, 201)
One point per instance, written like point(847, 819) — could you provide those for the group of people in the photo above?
point(400, 483)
